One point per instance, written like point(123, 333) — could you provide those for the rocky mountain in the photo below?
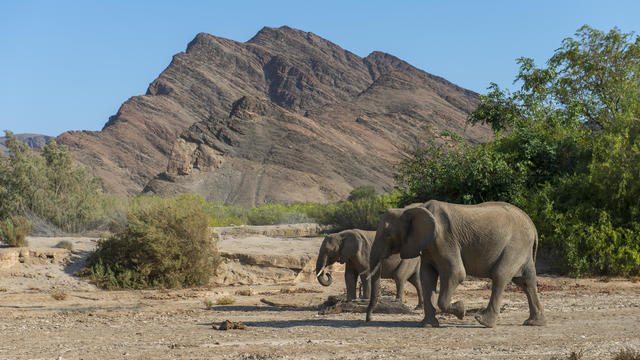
point(33, 140)
point(285, 116)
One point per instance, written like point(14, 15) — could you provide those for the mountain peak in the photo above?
point(286, 116)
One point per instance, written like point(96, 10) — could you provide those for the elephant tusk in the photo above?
point(320, 272)
point(375, 270)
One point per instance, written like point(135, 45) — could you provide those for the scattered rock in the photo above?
point(230, 325)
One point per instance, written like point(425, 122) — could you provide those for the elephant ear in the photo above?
point(421, 230)
point(351, 244)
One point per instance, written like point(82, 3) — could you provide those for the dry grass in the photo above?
point(64, 244)
point(573, 356)
point(208, 304)
point(225, 300)
point(59, 295)
point(299, 291)
point(244, 292)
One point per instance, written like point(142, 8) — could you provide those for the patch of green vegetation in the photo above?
point(49, 185)
point(567, 151)
point(14, 231)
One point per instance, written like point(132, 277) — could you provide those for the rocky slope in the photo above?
point(313, 121)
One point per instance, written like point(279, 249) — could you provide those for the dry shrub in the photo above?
point(573, 356)
point(14, 231)
point(208, 304)
point(166, 243)
point(65, 244)
point(58, 295)
point(627, 354)
point(225, 300)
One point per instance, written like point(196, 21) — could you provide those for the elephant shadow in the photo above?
point(334, 323)
point(339, 323)
point(248, 308)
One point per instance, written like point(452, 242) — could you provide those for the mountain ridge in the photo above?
point(296, 71)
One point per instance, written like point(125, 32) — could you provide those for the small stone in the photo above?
point(226, 325)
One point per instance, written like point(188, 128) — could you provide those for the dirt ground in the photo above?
point(47, 313)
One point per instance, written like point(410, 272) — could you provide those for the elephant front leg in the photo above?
point(351, 279)
point(429, 277)
point(449, 281)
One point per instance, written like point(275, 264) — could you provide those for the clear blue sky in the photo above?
point(68, 65)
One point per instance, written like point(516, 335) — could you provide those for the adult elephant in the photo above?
point(352, 247)
point(495, 240)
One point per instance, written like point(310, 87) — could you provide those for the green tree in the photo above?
point(567, 151)
point(49, 185)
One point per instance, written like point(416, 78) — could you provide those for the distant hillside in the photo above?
point(33, 140)
point(285, 116)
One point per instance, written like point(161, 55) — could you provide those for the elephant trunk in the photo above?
point(375, 263)
point(324, 278)
point(375, 292)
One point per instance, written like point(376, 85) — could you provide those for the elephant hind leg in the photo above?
point(489, 316)
point(351, 279)
point(528, 283)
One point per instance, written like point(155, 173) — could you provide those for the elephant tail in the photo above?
point(535, 245)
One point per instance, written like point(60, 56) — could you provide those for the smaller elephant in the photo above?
point(352, 248)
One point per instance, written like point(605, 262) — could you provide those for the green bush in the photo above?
point(363, 213)
point(166, 243)
point(362, 192)
point(458, 173)
point(220, 215)
point(14, 231)
point(268, 214)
